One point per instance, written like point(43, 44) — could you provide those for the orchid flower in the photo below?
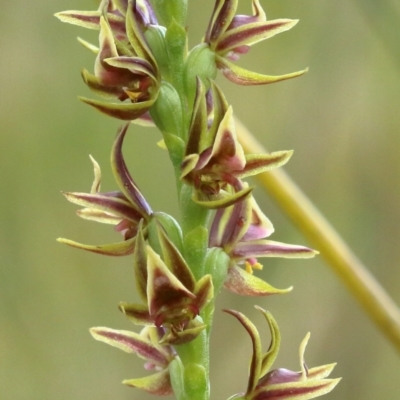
point(215, 162)
point(280, 383)
point(146, 345)
point(125, 68)
point(174, 298)
point(241, 230)
point(229, 35)
point(124, 208)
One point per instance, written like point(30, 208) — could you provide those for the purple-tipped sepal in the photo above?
point(145, 345)
point(229, 36)
point(241, 231)
point(214, 161)
point(173, 297)
point(124, 208)
point(125, 68)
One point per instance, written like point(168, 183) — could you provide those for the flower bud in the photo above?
point(200, 63)
point(155, 37)
point(195, 380)
point(167, 111)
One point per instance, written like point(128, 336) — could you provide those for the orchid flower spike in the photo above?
point(124, 208)
point(229, 35)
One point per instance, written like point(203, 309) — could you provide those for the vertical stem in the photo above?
point(195, 354)
point(192, 214)
point(172, 114)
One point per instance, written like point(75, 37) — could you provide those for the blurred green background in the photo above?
point(342, 120)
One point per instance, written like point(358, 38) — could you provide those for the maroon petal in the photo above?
point(158, 384)
point(250, 34)
point(165, 293)
point(124, 111)
point(223, 14)
point(106, 91)
point(177, 337)
point(140, 263)
point(230, 224)
point(269, 248)
point(308, 389)
point(99, 201)
point(198, 124)
point(136, 65)
point(130, 342)
point(175, 261)
point(138, 313)
point(259, 16)
point(91, 20)
point(123, 177)
point(255, 366)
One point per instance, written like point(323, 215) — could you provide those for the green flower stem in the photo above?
point(372, 297)
point(193, 352)
point(193, 215)
point(167, 10)
point(172, 113)
point(194, 373)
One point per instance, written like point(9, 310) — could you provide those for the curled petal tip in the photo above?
point(115, 249)
point(245, 77)
point(257, 163)
point(223, 201)
point(124, 111)
point(88, 45)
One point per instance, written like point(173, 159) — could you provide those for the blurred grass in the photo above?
point(342, 121)
point(381, 18)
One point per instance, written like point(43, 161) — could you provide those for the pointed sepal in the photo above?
point(131, 342)
point(124, 111)
point(257, 163)
point(140, 263)
point(222, 200)
point(157, 384)
point(243, 283)
point(255, 365)
point(164, 290)
point(175, 261)
point(176, 337)
point(247, 34)
point(146, 346)
point(123, 177)
point(280, 383)
point(115, 249)
point(242, 76)
point(138, 313)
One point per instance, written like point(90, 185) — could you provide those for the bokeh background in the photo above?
point(342, 120)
